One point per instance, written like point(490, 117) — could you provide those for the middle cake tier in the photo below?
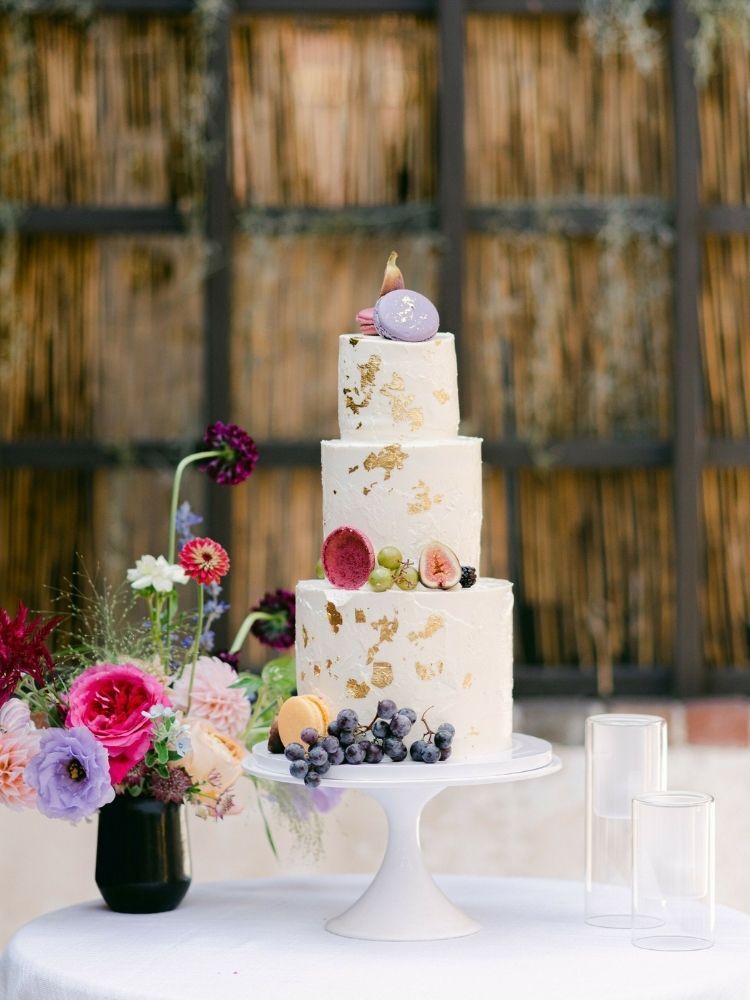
point(406, 494)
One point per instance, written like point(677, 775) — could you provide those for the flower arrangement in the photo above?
point(137, 701)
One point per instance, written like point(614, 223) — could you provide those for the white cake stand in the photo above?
point(402, 903)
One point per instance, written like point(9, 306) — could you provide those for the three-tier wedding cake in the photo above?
point(403, 477)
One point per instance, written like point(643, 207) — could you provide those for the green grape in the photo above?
point(390, 557)
point(408, 578)
point(381, 579)
point(319, 571)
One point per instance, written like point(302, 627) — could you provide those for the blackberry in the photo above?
point(468, 576)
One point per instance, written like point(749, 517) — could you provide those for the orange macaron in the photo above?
point(300, 712)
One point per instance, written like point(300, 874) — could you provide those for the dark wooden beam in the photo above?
point(726, 220)
point(218, 284)
point(347, 8)
point(553, 681)
point(502, 454)
point(451, 168)
point(729, 680)
point(727, 453)
point(93, 220)
point(579, 454)
point(688, 650)
point(408, 217)
point(537, 7)
point(581, 217)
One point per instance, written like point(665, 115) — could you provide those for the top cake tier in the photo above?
point(394, 391)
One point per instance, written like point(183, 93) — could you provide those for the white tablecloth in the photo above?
point(266, 939)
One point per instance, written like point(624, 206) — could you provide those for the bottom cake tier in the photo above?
point(446, 653)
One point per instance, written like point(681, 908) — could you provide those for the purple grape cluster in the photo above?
point(348, 741)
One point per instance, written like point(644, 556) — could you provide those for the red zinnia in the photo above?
point(204, 560)
point(22, 649)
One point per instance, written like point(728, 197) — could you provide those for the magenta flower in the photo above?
point(70, 774)
point(204, 560)
point(238, 454)
point(277, 631)
point(22, 649)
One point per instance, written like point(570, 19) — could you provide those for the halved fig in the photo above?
point(439, 568)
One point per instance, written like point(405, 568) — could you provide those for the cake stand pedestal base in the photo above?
point(403, 903)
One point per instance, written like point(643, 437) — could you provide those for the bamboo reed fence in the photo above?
point(564, 335)
point(547, 116)
point(102, 111)
point(331, 113)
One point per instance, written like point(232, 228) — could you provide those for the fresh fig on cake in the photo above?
point(393, 279)
point(274, 740)
point(439, 567)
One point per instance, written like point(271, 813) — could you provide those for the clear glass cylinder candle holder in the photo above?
point(626, 755)
point(674, 863)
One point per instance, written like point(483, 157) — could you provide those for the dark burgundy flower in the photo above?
point(278, 631)
point(22, 649)
point(238, 457)
point(173, 787)
point(233, 659)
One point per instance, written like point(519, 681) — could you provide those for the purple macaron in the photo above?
point(405, 315)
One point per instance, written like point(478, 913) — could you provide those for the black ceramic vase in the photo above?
point(142, 855)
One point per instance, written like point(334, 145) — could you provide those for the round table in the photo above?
point(266, 938)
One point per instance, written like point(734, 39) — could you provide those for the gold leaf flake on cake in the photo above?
point(473, 731)
point(468, 680)
point(334, 617)
point(427, 671)
point(316, 670)
point(386, 629)
point(302, 675)
point(403, 410)
point(357, 399)
point(434, 623)
point(382, 674)
point(422, 499)
point(388, 459)
point(354, 341)
point(357, 689)
point(305, 637)
point(359, 616)
point(441, 396)
point(353, 469)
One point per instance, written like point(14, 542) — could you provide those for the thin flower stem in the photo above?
point(254, 616)
point(196, 646)
point(188, 460)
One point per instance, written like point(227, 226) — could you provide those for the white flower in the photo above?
point(159, 712)
point(156, 572)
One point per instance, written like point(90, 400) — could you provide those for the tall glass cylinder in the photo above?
point(626, 755)
point(674, 861)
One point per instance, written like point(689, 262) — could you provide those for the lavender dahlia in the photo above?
point(70, 774)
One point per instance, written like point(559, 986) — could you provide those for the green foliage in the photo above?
point(717, 19)
point(621, 26)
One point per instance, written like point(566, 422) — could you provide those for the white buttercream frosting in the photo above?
point(449, 652)
point(397, 391)
point(406, 493)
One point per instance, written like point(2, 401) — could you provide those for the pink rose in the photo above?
point(109, 699)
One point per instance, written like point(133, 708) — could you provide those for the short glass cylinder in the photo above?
point(626, 755)
point(674, 862)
